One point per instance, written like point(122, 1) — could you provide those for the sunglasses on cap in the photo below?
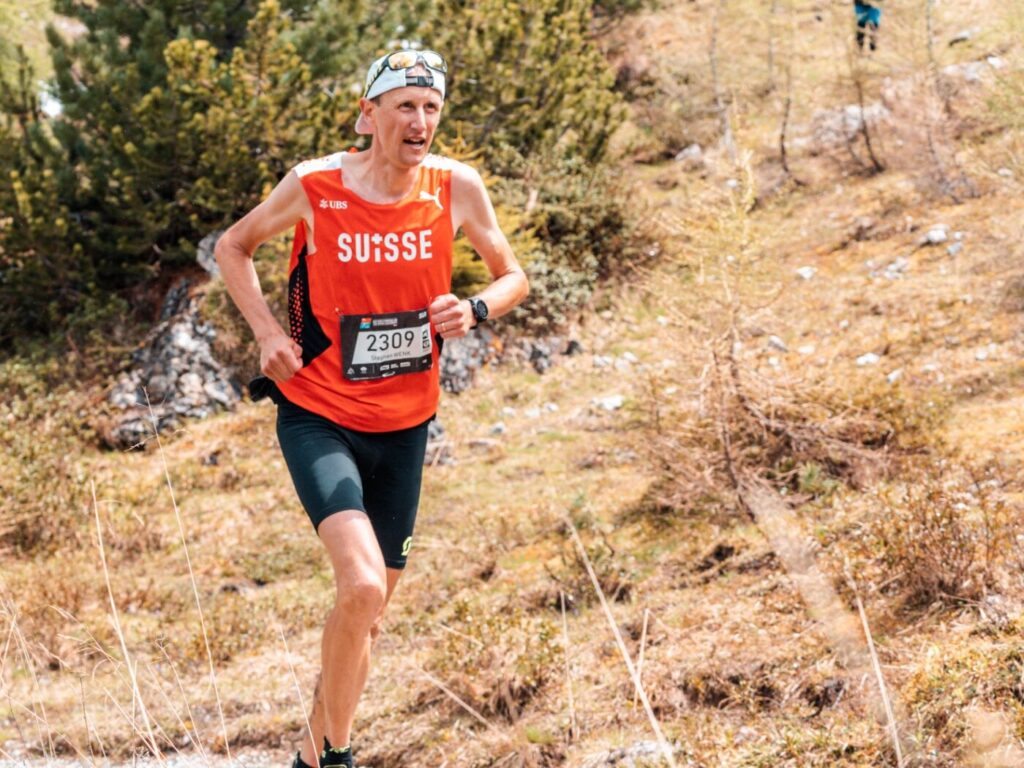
point(400, 60)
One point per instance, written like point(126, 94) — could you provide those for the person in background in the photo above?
point(869, 19)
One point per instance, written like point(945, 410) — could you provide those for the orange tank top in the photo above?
point(357, 298)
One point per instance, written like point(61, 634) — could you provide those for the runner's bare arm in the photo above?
point(280, 357)
point(473, 212)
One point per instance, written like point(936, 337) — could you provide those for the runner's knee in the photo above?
point(362, 598)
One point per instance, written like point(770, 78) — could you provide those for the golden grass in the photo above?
point(736, 671)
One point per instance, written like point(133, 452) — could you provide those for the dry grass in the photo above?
point(482, 663)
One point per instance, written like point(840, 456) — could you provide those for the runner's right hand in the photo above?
point(280, 357)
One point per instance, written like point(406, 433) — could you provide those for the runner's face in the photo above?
point(405, 121)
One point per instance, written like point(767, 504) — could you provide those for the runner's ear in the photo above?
point(364, 123)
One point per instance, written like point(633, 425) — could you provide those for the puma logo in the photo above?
point(436, 197)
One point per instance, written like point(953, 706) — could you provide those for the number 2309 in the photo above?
point(382, 342)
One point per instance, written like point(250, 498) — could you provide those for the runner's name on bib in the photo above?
point(378, 346)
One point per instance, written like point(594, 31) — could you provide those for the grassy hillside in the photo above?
point(805, 421)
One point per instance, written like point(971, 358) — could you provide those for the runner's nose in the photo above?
point(419, 119)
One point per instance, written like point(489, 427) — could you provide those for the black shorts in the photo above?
point(335, 469)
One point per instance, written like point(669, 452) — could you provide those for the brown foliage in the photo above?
point(804, 438)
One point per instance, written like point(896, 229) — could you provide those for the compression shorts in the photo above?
point(335, 469)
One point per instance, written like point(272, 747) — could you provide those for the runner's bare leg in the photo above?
point(309, 753)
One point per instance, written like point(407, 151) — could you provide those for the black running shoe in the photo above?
point(300, 763)
point(335, 757)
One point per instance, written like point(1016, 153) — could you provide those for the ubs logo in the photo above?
point(334, 205)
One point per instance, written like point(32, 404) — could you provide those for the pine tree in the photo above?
point(42, 272)
point(526, 78)
point(161, 140)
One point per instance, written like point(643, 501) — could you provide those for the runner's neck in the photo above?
point(375, 180)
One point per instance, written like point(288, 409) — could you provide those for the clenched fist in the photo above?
point(280, 357)
point(451, 318)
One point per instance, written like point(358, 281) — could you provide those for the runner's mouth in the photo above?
point(416, 142)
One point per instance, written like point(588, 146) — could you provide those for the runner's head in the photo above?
point(401, 69)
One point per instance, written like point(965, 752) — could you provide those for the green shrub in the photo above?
point(587, 230)
point(526, 78)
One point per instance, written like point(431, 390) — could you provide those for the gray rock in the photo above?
point(641, 753)
point(836, 127)
point(176, 369)
point(896, 268)
point(936, 235)
point(692, 152)
point(176, 300)
point(438, 449)
point(538, 352)
point(219, 392)
point(204, 254)
point(609, 403)
point(962, 36)
point(776, 343)
point(969, 71)
point(462, 358)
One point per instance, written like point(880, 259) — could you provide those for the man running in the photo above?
point(869, 19)
point(356, 379)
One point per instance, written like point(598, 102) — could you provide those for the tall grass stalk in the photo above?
point(640, 659)
point(573, 731)
point(197, 738)
point(7, 645)
point(41, 720)
point(136, 693)
point(298, 691)
point(129, 717)
point(191, 575)
point(100, 649)
point(89, 730)
point(452, 695)
point(170, 704)
point(22, 646)
point(666, 750)
point(882, 689)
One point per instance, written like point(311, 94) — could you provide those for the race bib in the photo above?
point(378, 346)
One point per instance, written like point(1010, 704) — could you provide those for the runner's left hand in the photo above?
point(451, 318)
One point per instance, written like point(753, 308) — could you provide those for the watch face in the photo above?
point(479, 309)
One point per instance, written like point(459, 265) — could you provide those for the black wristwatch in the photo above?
point(479, 310)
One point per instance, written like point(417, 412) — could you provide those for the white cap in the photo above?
point(389, 79)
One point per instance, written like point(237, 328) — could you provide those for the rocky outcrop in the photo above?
point(174, 374)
